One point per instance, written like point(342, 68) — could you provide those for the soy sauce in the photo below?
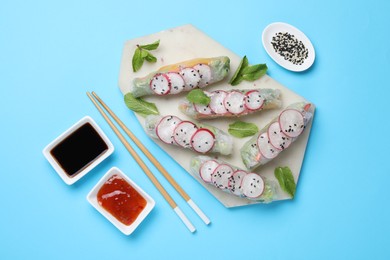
point(79, 149)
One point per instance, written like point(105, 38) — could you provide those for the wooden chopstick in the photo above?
point(155, 162)
point(143, 166)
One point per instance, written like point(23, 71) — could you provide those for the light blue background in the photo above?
point(52, 52)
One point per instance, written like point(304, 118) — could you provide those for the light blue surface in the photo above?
point(52, 52)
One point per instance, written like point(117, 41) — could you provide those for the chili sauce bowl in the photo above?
point(78, 150)
point(118, 195)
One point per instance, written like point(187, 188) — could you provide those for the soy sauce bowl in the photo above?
point(114, 174)
point(78, 150)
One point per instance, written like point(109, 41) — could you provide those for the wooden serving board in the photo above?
point(185, 43)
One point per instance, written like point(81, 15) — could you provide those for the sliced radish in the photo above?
point(203, 109)
point(176, 82)
point(183, 133)
point(165, 128)
point(291, 122)
point(234, 102)
point(216, 102)
point(160, 84)
point(235, 181)
point(221, 175)
point(277, 138)
point(203, 140)
point(204, 73)
point(265, 147)
point(191, 78)
point(253, 100)
point(207, 169)
point(252, 185)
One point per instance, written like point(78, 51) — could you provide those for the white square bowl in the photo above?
point(57, 167)
point(125, 229)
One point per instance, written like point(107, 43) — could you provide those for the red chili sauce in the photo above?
point(120, 199)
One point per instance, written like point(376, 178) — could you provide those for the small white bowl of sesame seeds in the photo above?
point(288, 46)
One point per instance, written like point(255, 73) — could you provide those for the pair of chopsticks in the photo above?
point(95, 99)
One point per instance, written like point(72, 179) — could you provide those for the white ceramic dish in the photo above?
point(92, 198)
point(270, 32)
point(57, 167)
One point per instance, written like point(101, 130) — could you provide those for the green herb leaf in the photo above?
point(286, 180)
point(236, 79)
point(141, 54)
point(137, 60)
point(140, 106)
point(150, 58)
point(254, 72)
point(150, 47)
point(242, 129)
point(248, 73)
point(144, 53)
point(197, 96)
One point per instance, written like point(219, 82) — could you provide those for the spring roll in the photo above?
point(183, 76)
point(277, 136)
point(232, 103)
point(232, 179)
point(198, 137)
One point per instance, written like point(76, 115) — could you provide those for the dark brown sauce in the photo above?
point(120, 199)
point(79, 149)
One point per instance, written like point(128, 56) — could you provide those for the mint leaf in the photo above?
point(286, 180)
point(150, 58)
point(137, 60)
point(150, 47)
point(242, 129)
point(237, 78)
point(248, 73)
point(144, 53)
point(197, 96)
point(141, 54)
point(254, 72)
point(140, 106)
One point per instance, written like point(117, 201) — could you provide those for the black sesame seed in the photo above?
point(287, 46)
